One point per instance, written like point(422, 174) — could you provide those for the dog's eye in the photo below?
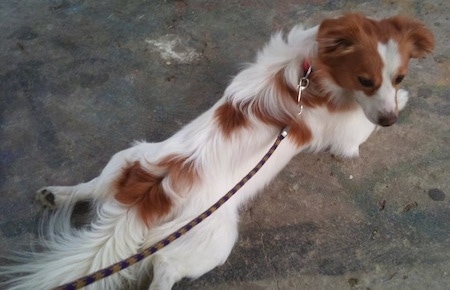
point(368, 83)
point(399, 79)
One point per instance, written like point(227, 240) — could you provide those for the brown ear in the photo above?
point(339, 36)
point(419, 38)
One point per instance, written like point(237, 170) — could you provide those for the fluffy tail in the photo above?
point(115, 234)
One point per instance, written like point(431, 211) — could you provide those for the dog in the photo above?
point(349, 68)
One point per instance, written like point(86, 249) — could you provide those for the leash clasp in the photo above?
point(303, 83)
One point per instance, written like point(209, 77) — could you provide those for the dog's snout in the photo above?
point(387, 119)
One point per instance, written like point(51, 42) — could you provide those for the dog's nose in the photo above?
point(387, 119)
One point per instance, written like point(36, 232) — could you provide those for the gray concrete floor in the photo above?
point(81, 79)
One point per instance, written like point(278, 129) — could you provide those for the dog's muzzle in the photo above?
point(386, 120)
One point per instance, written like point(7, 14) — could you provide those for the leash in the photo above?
point(103, 273)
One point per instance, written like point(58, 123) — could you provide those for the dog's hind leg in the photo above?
point(164, 274)
point(54, 196)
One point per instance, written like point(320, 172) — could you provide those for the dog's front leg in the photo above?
point(402, 99)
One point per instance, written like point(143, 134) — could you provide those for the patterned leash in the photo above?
point(103, 273)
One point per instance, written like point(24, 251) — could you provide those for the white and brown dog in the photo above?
point(151, 189)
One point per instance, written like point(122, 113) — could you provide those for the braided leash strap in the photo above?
point(103, 273)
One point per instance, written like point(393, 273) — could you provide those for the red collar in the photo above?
point(306, 66)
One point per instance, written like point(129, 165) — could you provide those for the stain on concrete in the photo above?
point(25, 33)
point(436, 194)
point(331, 267)
point(87, 80)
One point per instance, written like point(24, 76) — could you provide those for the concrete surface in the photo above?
point(80, 80)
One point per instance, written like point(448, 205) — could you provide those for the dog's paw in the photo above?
point(46, 197)
point(402, 99)
point(345, 152)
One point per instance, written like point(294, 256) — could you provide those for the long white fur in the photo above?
point(117, 232)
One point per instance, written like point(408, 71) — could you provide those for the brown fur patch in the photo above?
point(139, 188)
point(300, 133)
point(181, 173)
point(230, 118)
point(348, 49)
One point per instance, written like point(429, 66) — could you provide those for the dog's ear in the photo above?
point(338, 36)
point(332, 38)
point(419, 40)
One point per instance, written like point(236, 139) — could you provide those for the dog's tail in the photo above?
point(73, 253)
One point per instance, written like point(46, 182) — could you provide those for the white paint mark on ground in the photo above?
point(171, 47)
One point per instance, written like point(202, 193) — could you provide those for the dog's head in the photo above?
point(368, 59)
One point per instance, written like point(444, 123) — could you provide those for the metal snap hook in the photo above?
point(303, 83)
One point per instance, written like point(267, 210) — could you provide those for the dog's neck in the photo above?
point(322, 91)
